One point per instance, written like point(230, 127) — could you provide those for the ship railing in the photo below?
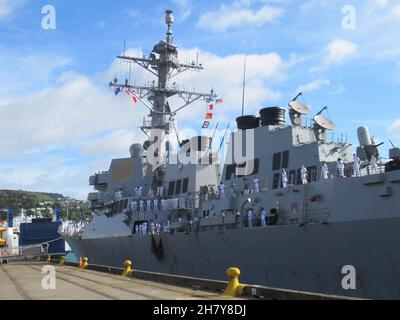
point(160, 204)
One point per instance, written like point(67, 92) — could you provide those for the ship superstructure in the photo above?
point(198, 217)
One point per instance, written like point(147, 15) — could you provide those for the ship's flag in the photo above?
point(208, 100)
point(117, 91)
point(210, 107)
point(206, 124)
point(130, 91)
point(209, 116)
point(220, 100)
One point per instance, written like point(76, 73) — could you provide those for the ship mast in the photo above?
point(164, 64)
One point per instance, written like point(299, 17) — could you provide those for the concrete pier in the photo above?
point(23, 281)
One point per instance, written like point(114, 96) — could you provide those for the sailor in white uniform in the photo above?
point(222, 190)
point(304, 175)
point(284, 179)
point(374, 165)
point(256, 185)
point(250, 218)
point(136, 192)
point(148, 208)
point(356, 166)
point(118, 195)
point(133, 205)
point(324, 171)
point(263, 218)
point(155, 204)
point(141, 206)
point(145, 228)
point(160, 190)
point(140, 190)
point(340, 167)
point(232, 189)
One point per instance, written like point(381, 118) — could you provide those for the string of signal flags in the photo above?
point(210, 105)
point(210, 111)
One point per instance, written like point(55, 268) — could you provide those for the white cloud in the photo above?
point(309, 5)
point(56, 137)
point(337, 52)
point(312, 86)
point(395, 127)
point(238, 15)
point(7, 7)
point(185, 8)
point(380, 3)
point(395, 11)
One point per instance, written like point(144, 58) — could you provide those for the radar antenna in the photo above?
point(297, 109)
point(322, 124)
point(164, 64)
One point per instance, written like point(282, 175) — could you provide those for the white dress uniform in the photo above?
point(250, 218)
point(304, 175)
point(356, 166)
point(222, 191)
point(136, 192)
point(141, 205)
point(133, 205)
point(284, 179)
point(325, 171)
point(155, 205)
point(140, 190)
point(340, 166)
point(374, 165)
point(256, 184)
point(263, 218)
point(148, 205)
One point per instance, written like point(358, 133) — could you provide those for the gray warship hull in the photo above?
point(308, 258)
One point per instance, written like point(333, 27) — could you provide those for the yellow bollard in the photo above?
point(127, 268)
point(49, 259)
point(234, 288)
point(62, 261)
point(85, 263)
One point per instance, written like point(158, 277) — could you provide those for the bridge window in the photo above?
point(185, 185)
point(285, 160)
point(230, 170)
point(312, 174)
point(178, 187)
point(299, 177)
point(171, 188)
point(292, 177)
point(276, 161)
point(276, 182)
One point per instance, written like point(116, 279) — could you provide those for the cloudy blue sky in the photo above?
point(59, 123)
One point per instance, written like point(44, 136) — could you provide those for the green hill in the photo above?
point(27, 200)
point(22, 199)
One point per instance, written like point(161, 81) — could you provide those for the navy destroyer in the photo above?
point(290, 207)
